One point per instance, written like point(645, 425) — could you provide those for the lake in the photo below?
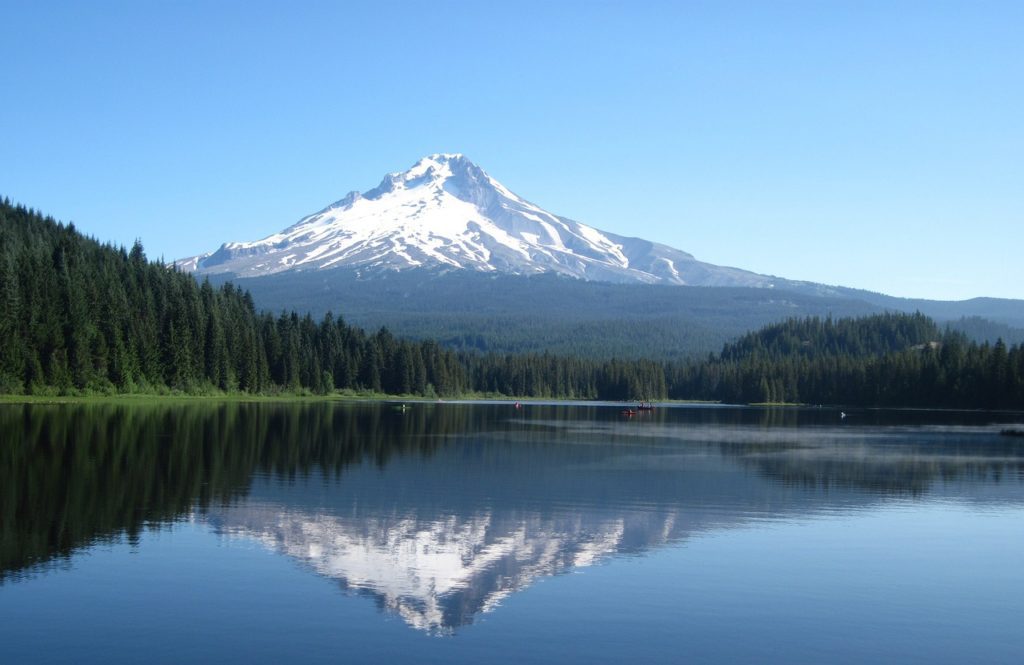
point(470, 533)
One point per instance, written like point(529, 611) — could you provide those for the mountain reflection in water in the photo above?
point(440, 511)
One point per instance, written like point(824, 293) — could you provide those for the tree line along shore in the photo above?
point(80, 317)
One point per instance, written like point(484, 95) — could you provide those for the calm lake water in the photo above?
point(472, 533)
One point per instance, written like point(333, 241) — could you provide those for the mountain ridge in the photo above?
point(418, 252)
point(445, 212)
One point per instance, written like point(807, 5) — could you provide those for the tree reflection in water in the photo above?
point(439, 511)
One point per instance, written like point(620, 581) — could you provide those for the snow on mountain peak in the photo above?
point(431, 171)
point(446, 212)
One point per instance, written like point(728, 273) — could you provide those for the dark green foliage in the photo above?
point(503, 314)
point(79, 316)
point(74, 475)
point(985, 330)
point(813, 337)
point(885, 360)
point(492, 313)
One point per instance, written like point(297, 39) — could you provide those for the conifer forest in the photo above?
point(82, 317)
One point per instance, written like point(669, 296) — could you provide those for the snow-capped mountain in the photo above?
point(447, 213)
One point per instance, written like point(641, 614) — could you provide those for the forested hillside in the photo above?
point(882, 360)
point(79, 316)
point(494, 313)
point(985, 330)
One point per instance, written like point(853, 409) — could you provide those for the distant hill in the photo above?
point(1004, 311)
point(985, 330)
point(894, 360)
point(513, 313)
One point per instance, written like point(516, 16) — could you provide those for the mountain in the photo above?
point(444, 251)
point(447, 213)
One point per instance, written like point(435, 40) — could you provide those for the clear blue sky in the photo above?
point(875, 145)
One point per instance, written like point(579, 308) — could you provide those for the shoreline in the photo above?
point(144, 398)
point(152, 399)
